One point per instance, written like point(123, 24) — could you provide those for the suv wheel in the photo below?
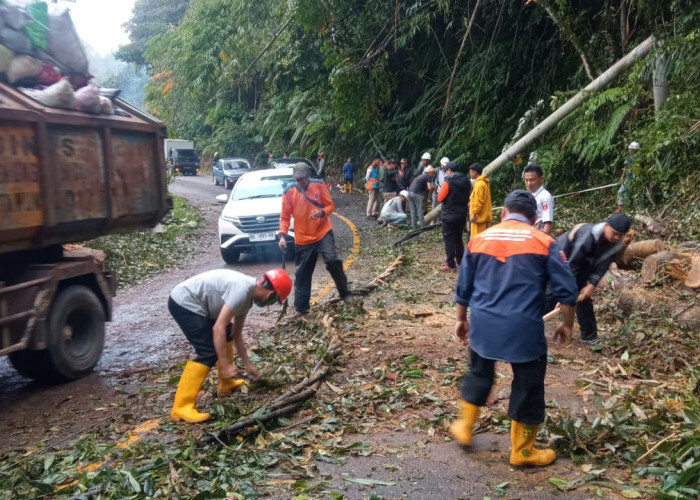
point(230, 256)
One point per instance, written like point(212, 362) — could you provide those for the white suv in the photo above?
point(250, 220)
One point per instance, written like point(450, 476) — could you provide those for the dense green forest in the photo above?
point(462, 79)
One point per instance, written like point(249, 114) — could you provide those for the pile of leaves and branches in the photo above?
point(140, 255)
point(647, 413)
point(213, 461)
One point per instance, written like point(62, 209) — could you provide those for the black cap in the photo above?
point(521, 202)
point(619, 222)
point(451, 165)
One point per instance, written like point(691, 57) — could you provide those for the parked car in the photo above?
point(250, 220)
point(227, 171)
point(290, 162)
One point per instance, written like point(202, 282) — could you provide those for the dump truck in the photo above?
point(181, 157)
point(68, 177)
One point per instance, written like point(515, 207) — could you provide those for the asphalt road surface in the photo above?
point(142, 336)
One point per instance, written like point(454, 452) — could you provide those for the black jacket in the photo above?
point(588, 252)
point(456, 205)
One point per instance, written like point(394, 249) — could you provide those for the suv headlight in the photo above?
point(232, 219)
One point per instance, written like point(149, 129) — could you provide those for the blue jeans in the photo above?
point(395, 218)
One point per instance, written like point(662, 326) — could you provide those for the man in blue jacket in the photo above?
point(348, 174)
point(502, 281)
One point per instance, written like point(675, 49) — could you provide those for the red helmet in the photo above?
point(281, 283)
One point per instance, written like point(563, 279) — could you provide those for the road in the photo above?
point(141, 337)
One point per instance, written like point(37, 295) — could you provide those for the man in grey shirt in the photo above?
point(204, 307)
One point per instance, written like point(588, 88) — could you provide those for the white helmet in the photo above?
point(404, 193)
point(426, 156)
point(444, 160)
point(429, 169)
point(634, 145)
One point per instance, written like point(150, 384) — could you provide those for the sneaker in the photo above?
point(447, 268)
point(349, 298)
point(591, 342)
point(380, 221)
point(390, 226)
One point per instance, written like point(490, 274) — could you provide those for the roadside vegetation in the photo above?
point(628, 416)
point(139, 255)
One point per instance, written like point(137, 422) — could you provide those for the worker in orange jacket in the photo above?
point(310, 203)
point(480, 212)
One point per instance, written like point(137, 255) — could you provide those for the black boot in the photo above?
point(335, 268)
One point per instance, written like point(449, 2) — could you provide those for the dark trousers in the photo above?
point(454, 244)
point(304, 265)
point(585, 315)
point(198, 331)
point(526, 392)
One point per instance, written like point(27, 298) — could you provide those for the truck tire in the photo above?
point(76, 333)
point(31, 364)
point(230, 256)
point(75, 338)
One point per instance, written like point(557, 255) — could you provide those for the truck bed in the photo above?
point(68, 176)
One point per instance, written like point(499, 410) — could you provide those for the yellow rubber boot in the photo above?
point(462, 428)
point(227, 385)
point(191, 381)
point(350, 188)
point(522, 442)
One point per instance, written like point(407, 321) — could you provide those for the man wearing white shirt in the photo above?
point(534, 180)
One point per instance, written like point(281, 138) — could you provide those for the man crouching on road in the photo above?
point(310, 203)
point(502, 281)
point(203, 307)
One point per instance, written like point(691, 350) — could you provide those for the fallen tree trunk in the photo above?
point(651, 224)
point(642, 299)
point(654, 263)
point(692, 280)
point(637, 251)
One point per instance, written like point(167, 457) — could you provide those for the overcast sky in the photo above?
point(99, 22)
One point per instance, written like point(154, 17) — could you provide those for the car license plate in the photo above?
point(262, 236)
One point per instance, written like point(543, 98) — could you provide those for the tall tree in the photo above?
point(149, 18)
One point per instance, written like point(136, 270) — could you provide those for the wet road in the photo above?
point(142, 336)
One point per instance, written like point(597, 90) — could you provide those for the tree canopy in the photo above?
point(461, 79)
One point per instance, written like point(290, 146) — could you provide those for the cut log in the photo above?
point(654, 262)
point(637, 251)
point(692, 280)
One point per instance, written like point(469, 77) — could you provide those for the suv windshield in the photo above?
point(235, 164)
point(267, 187)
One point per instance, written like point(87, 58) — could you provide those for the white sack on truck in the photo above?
point(22, 67)
point(58, 95)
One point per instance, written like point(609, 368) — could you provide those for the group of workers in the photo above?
point(514, 266)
